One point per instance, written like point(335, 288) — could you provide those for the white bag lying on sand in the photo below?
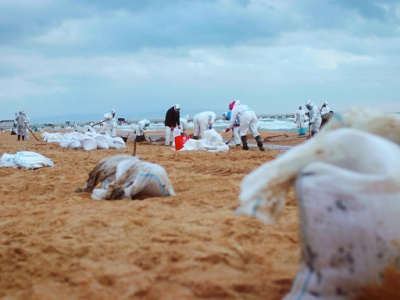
point(25, 159)
point(349, 228)
point(211, 142)
point(126, 176)
point(74, 145)
point(102, 142)
point(88, 141)
point(89, 144)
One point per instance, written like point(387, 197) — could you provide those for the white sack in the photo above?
point(77, 140)
point(192, 144)
point(115, 142)
point(137, 178)
point(264, 190)
point(25, 159)
point(101, 142)
point(211, 142)
point(118, 143)
point(89, 144)
point(349, 228)
point(75, 145)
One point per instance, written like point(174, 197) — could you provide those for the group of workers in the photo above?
point(241, 119)
point(317, 117)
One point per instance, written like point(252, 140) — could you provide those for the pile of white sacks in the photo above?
point(87, 141)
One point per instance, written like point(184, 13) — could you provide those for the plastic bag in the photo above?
point(101, 142)
point(211, 142)
point(135, 178)
point(25, 159)
point(89, 144)
point(349, 229)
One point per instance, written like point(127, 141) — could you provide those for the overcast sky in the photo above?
point(62, 57)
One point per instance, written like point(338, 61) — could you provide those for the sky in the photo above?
point(60, 57)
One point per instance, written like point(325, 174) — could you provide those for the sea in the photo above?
point(264, 124)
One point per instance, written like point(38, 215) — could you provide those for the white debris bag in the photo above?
point(87, 141)
point(102, 142)
point(212, 141)
point(25, 159)
point(74, 144)
point(135, 179)
point(264, 190)
point(348, 193)
point(349, 228)
point(89, 144)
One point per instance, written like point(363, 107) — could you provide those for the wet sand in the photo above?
point(58, 244)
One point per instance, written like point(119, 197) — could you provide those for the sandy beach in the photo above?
point(58, 244)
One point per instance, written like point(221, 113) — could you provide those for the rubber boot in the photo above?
point(260, 143)
point(23, 138)
point(244, 142)
point(195, 137)
point(19, 137)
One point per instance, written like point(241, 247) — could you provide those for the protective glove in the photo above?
point(172, 128)
point(310, 124)
point(227, 129)
point(210, 127)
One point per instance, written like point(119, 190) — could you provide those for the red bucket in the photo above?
point(180, 140)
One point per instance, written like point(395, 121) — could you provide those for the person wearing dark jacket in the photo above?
point(171, 122)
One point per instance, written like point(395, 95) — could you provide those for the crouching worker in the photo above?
point(126, 176)
point(141, 127)
point(247, 120)
point(203, 121)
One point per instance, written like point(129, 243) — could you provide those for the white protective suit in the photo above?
point(140, 129)
point(21, 126)
point(235, 129)
point(184, 123)
point(315, 117)
point(300, 118)
point(172, 124)
point(247, 118)
point(26, 134)
point(203, 121)
point(110, 125)
point(324, 109)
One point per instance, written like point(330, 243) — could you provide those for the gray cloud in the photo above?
point(271, 54)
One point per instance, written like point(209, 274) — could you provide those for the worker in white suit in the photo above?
point(300, 120)
point(248, 120)
point(314, 117)
point(26, 133)
point(235, 129)
point(110, 124)
point(324, 109)
point(141, 128)
point(203, 121)
point(21, 125)
point(172, 124)
point(184, 123)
